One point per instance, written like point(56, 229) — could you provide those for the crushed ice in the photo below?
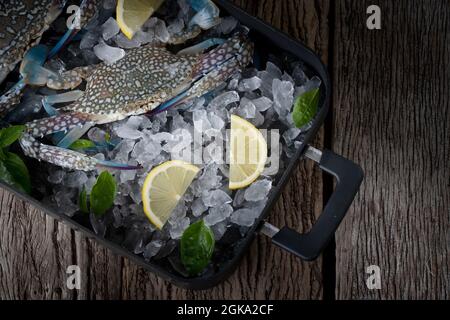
point(262, 97)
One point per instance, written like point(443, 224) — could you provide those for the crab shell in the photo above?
point(23, 23)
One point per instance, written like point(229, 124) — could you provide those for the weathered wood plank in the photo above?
point(392, 116)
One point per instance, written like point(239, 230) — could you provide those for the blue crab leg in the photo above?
point(202, 46)
point(11, 98)
point(64, 97)
point(214, 67)
point(34, 56)
point(60, 156)
point(74, 134)
point(87, 10)
point(65, 140)
point(65, 39)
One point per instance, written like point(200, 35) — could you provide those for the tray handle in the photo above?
point(308, 246)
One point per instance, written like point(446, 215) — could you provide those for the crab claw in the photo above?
point(207, 14)
point(61, 156)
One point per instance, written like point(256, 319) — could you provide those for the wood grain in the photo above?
point(392, 116)
point(35, 250)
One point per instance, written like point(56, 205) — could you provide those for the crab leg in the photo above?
point(87, 10)
point(202, 46)
point(61, 156)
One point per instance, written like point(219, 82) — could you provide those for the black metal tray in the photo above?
point(307, 246)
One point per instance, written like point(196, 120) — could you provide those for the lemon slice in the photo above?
point(132, 14)
point(248, 153)
point(163, 188)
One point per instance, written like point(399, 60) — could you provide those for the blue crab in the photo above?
point(27, 20)
point(148, 79)
point(23, 23)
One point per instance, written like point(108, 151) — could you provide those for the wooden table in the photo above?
point(390, 113)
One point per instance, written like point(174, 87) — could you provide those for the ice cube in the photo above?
point(89, 39)
point(210, 179)
point(273, 70)
point(266, 84)
point(123, 150)
point(118, 220)
point(250, 84)
point(161, 32)
point(201, 120)
point(56, 176)
point(311, 84)
point(123, 42)
point(64, 200)
point(287, 77)
point(224, 99)
point(258, 120)
point(110, 28)
point(153, 248)
point(215, 198)
point(218, 214)
point(127, 131)
point(108, 54)
point(239, 198)
point(128, 175)
point(75, 179)
point(198, 207)
point(213, 153)
point(98, 225)
point(258, 190)
point(290, 135)
point(178, 212)
point(283, 97)
point(233, 84)
point(262, 103)
point(96, 135)
point(144, 37)
point(219, 230)
point(227, 25)
point(243, 217)
point(247, 109)
point(299, 75)
point(216, 121)
point(176, 27)
point(176, 230)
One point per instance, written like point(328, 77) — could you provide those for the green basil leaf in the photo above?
point(10, 134)
point(18, 170)
point(6, 176)
point(82, 201)
point(82, 144)
point(103, 193)
point(197, 247)
point(305, 107)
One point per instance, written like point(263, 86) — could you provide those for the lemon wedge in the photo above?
point(132, 14)
point(248, 153)
point(163, 188)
